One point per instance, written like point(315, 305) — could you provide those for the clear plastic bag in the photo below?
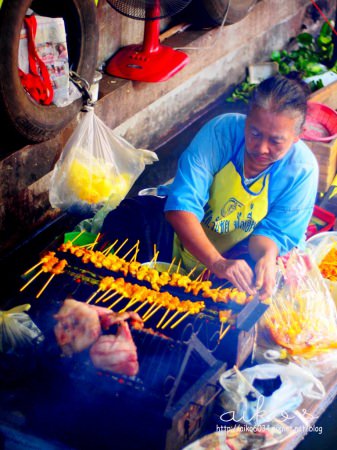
point(96, 168)
point(244, 403)
point(17, 330)
point(302, 315)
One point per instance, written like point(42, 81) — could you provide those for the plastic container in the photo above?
point(163, 267)
point(320, 124)
point(322, 220)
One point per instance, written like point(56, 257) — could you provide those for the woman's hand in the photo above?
point(237, 271)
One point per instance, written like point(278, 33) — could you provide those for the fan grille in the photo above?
point(136, 9)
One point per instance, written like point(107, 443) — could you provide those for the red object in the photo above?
point(322, 220)
point(320, 124)
point(37, 82)
point(150, 61)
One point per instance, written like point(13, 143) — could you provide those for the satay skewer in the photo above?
point(95, 241)
point(141, 306)
point(34, 267)
point(105, 299)
point(76, 237)
point(170, 320)
point(46, 284)
point(224, 332)
point(171, 264)
point(108, 249)
point(180, 320)
point(149, 310)
point(199, 277)
point(134, 258)
point(31, 280)
point(163, 318)
point(178, 268)
point(122, 245)
point(131, 249)
point(94, 295)
point(117, 301)
point(132, 302)
point(193, 270)
point(152, 313)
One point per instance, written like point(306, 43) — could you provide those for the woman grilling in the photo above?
point(246, 185)
point(245, 182)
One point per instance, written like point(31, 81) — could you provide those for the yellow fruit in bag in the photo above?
point(96, 184)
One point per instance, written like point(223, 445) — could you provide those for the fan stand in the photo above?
point(150, 61)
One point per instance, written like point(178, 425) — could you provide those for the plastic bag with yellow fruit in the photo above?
point(96, 168)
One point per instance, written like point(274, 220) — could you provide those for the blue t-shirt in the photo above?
point(292, 187)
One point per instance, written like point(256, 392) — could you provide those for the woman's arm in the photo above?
point(264, 251)
point(194, 239)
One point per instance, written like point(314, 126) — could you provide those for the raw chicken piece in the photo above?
point(116, 353)
point(78, 326)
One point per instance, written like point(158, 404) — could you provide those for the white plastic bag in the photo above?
point(245, 404)
point(96, 167)
point(17, 330)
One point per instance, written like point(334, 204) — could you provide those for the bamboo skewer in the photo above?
point(149, 310)
point(163, 318)
point(180, 320)
point(135, 255)
point(171, 264)
point(94, 295)
point(34, 267)
point(76, 237)
point(192, 271)
point(141, 306)
point(110, 296)
point(178, 268)
point(31, 280)
point(134, 247)
point(117, 301)
point(224, 332)
point(132, 302)
point(46, 284)
point(152, 313)
point(170, 320)
point(100, 298)
point(221, 329)
point(108, 249)
point(122, 245)
point(95, 242)
point(199, 277)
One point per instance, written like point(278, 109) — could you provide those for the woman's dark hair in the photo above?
point(280, 94)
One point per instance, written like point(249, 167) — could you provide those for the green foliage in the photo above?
point(312, 56)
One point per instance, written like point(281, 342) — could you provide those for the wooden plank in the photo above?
point(326, 155)
point(326, 95)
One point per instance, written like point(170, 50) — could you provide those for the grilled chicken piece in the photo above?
point(109, 318)
point(78, 326)
point(116, 353)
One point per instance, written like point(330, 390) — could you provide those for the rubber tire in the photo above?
point(26, 120)
point(210, 13)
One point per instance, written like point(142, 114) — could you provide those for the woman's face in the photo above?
point(269, 136)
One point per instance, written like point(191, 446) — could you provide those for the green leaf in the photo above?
point(305, 39)
point(325, 30)
point(275, 56)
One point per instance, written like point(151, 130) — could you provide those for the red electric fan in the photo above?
point(150, 61)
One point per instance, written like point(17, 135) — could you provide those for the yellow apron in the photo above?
point(231, 213)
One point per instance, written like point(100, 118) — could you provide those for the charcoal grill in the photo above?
point(164, 407)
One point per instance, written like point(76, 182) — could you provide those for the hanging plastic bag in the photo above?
point(302, 315)
point(96, 168)
point(245, 403)
point(17, 330)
